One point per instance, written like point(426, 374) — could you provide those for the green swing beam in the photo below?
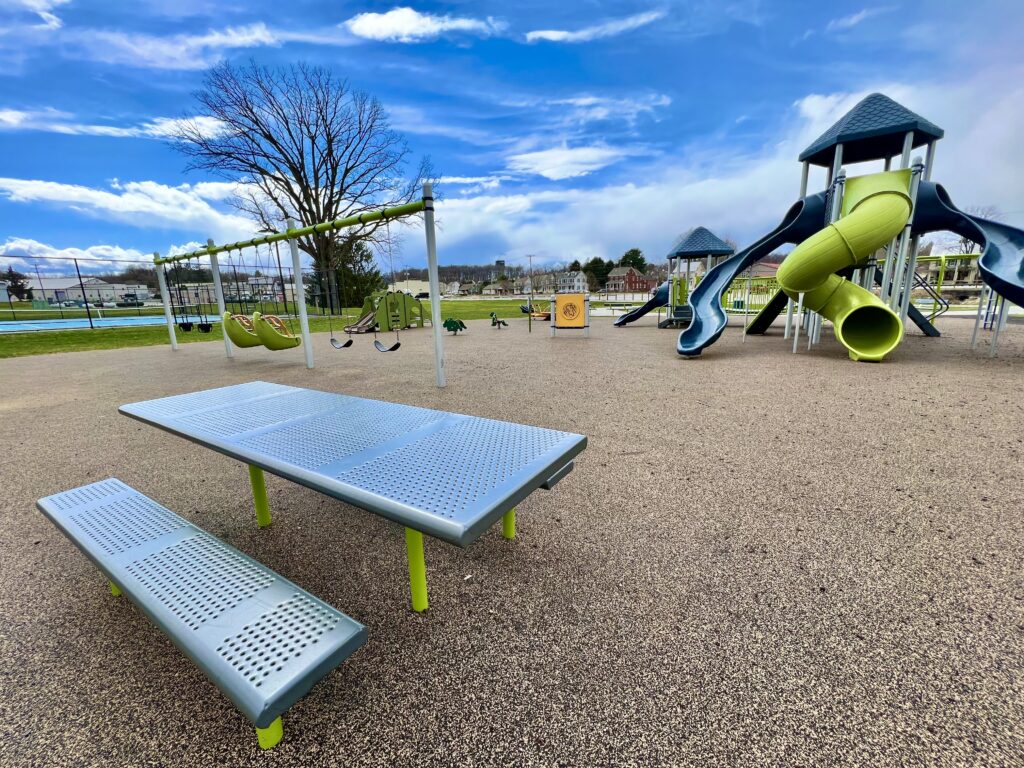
point(291, 234)
point(413, 540)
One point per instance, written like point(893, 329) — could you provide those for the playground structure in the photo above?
point(699, 244)
point(833, 271)
point(273, 333)
point(570, 311)
point(387, 311)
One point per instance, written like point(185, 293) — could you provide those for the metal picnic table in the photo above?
point(447, 475)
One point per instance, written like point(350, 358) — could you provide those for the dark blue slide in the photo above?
point(806, 217)
point(658, 299)
point(1002, 247)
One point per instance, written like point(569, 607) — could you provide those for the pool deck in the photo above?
point(761, 559)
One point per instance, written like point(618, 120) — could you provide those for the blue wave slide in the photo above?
point(1001, 263)
point(659, 298)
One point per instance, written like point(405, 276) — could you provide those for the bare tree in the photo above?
point(964, 245)
point(305, 146)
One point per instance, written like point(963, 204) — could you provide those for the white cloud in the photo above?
point(851, 21)
point(566, 162)
point(407, 25)
point(181, 51)
point(26, 255)
point(415, 120)
point(743, 195)
point(51, 120)
point(589, 108)
point(470, 185)
point(42, 9)
point(139, 203)
point(596, 32)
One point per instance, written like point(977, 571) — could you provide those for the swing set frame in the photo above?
point(291, 235)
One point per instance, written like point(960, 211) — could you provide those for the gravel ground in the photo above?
point(761, 559)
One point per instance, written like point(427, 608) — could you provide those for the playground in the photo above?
point(768, 520)
point(749, 552)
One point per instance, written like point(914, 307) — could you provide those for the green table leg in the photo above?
point(115, 590)
point(270, 736)
point(508, 524)
point(259, 496)
point(417, 569)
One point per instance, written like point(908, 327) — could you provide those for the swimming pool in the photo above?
point(78, 323)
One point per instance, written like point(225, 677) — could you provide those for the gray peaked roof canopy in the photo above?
point(701, 242)
point(872, 130)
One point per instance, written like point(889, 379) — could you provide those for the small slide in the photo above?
point(806, 217)
point(364, 324)
point(658, 299)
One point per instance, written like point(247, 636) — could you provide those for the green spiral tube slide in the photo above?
point(875, 209)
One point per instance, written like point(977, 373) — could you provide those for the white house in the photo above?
point(572, 282)
point(4, 296)
point(57, 289)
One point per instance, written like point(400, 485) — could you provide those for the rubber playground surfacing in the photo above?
point(760, 559)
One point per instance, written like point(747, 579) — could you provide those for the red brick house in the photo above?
point(628, 280)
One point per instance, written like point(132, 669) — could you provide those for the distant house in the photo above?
point(628, 280)
point(572, 282)
point(497, 288)
point(4, 295)
point(59, 289)
point(451, 289)
point(544, 282)
point(764, 269)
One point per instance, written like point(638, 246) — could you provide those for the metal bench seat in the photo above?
point(258, 637)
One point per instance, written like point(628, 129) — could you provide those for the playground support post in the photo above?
point(796, 326)
point(218, 291)
point(300, 297)
point(982, 302)
point(902, 278)
point(435, 283)
point(789, 319)
point(746, 302)
point(805, 170)
point(161, 280)
point(1000, 321)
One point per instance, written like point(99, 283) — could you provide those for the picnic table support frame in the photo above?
point(508, 524)
point(115, 590)
point(417, 569)
point(259, 495)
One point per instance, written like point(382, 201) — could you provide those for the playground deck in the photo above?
point(761, 558)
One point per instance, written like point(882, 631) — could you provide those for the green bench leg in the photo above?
point(115, 590)
point(508, 524)
point(259, 496)
point(270, 736)
point(417, 569)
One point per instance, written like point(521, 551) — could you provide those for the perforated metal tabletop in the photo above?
point(448, 475)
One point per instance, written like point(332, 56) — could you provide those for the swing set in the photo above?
point(271, 331)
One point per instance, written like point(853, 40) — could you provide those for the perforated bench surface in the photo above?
point(445, 474)
point(261, 639)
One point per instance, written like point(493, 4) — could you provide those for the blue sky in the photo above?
point(565, 130)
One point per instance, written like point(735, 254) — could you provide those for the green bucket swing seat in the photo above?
point(239, 329)
point(273, 332)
